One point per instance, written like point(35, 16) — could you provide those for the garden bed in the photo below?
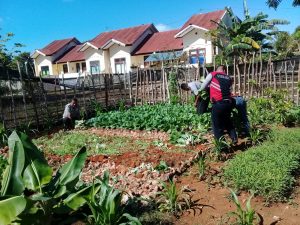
point(136, 160)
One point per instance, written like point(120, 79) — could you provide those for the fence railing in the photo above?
point(41, 101)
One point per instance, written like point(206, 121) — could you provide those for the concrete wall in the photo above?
point(137, 60)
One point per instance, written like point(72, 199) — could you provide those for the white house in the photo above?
point(111, 51)
point(118, 50)
point(45, 58)
point(196, 42)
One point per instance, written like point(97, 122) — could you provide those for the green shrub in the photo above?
point(164, 117)
point(268, 169)
point(273, 109)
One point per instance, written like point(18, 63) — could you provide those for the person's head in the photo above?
point(74, 102)
point(221, 68)
point(185, 86)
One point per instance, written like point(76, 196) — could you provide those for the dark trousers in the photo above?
point(221, 119)
point(241, 106)
point(69, 124)
point(202, 105)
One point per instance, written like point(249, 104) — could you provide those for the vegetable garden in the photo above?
point(132, 166)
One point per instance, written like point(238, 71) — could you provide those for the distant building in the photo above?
point(121, 50)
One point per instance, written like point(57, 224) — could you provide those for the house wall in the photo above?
point(137, 60)
point(43, 61)
point(198, 39)
point(92, 54)
point(116, 52)
point(58, 68)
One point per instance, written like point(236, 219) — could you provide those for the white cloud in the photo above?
point(163, 27)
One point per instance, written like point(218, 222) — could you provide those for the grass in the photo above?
point(268, 169)
point(69, 142)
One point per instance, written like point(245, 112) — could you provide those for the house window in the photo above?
point(83, 66)
point(95, 67)
point(65, 68)
point(197, 55)
point(77, 67)
point(120, 65)
point(45, 70)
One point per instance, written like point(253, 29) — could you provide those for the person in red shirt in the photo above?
point(221, 98)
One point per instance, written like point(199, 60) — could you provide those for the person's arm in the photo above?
point(196, 99)
point(206, 82)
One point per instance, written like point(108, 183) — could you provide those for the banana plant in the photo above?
point(10, 208)
point(28, 174)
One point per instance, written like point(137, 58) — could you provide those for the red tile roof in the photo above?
point(72, 55)
point(127, 36)
point(205, 20)
point(161, 42)
point(56, 45)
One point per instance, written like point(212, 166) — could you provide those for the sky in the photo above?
point(36, 23)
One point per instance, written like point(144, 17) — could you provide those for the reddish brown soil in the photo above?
point(216, 204)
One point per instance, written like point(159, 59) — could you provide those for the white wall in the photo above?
point(197, 39)
point(116, 52)
point(43, 61)
point(92, 54)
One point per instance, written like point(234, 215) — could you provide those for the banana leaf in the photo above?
point(12, 183)
point(11, 208)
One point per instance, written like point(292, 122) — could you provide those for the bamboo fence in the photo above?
point(41, 101)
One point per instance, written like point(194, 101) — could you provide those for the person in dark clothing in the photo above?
point(71, 113)
point(221, 98)
point(201, 104)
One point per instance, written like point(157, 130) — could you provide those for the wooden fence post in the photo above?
point(23, 92)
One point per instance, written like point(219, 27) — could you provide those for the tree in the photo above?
point(275, 3)
point(245, 36)
point(284, 45)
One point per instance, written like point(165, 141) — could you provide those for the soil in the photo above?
point(134, 172)
point(215, 203)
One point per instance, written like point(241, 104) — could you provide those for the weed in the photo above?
point(201, 166)
point(172, 200)
point(219, 146)
point(242, 216)
point(162, 166)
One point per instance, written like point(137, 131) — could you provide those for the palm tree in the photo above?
point(275, 3)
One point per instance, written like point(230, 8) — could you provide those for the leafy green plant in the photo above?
point(162, 166)
point(28, 174)
point(3, 136)
point(163, 117)
point(219, 146)
point(11, 207)
point(173, 200)
point(256, 136)
point(268, 169)
point(274, 109)
point(106, 205)
point(201, 165)
point(242, 216)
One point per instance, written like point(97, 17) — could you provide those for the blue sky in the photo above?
point(35, 23)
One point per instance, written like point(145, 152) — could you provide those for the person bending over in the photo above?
point(201, 104)
point(221, 98)
point(71, 113)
